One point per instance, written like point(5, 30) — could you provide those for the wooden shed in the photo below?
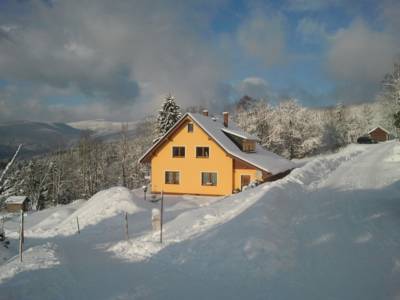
point(379, 134)
point(17, 203)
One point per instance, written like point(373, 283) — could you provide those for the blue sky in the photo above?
point(75, 60)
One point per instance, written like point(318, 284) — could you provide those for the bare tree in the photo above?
point(8, 166)
point(91, 164)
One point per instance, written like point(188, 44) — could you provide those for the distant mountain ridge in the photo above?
point(36, 137)
point(101, 126)
point(43, 137)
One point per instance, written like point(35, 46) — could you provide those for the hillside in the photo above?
point(100, 126)
point(329, 230)
point(36, 137)
point(44, 137)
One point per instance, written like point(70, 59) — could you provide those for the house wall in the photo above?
point(379, 135)
point(190, 167)
point(13, 207)
point(241, 168)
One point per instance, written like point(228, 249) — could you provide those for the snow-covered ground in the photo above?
point(329, 230)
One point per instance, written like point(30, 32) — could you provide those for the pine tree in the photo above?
point(168, 115)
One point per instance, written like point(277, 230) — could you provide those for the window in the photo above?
point(171, 177)
point(190, 127)
point(202, 152)
point(208, 178)
point(249, 146)
point(178, 151)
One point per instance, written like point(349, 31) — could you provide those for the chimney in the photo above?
point(226, 117)
point(205, 112)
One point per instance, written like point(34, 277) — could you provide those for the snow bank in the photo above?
point(301, 239)
point(395, 157)
point(193, 223)
point(103, 205)
point(38, 257)
point(315, 170)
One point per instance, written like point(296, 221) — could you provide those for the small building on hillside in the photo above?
point(379, 134)
point(205, 155)
point(17, 203)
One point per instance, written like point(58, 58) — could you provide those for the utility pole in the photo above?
point(21, 236)
point(77, 225)
point(126, 226)
point(161, 216)
point(144, 191)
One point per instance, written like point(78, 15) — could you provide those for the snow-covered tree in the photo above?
point(390, 98)
point(391, 85)
point(168, 115)
point(397, 122)
point(287, 128)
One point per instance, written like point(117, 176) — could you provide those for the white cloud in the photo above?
point(81, 51)
point(312, 31)
point(263, 37)
point(107, 51)
point(312, 5)
point(390, 14)
point(358, 59)
point(254, 87)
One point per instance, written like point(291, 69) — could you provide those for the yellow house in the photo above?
point(205, 155)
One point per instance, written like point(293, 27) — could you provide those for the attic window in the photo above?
point(190, 127)
point(248, 146)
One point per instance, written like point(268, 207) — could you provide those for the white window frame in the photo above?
point(176, 171)
point(201, 178)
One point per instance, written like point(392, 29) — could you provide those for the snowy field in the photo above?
point(329, 230)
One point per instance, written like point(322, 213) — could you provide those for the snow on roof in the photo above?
point(16, 199)
point(241, 134)
point(387, 131)
point(261, 158)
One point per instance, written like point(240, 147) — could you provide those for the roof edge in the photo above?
point(385, 130)
point(188, 114)
point(160, 139)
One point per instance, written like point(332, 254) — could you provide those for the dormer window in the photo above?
point(243, 141)
point(248, 146)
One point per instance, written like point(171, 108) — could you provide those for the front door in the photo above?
point(244, 181)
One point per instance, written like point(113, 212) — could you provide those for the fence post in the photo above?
point(161, 216)
point(21, 236)
point(77, 224)
point(126, 226)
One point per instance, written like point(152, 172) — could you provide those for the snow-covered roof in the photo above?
point(16, 199)
point(241, 134)
point(387, 131)
point(261, 158)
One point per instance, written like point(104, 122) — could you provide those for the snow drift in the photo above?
point(192, 224)
point(329, 230)
point(103, 205)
